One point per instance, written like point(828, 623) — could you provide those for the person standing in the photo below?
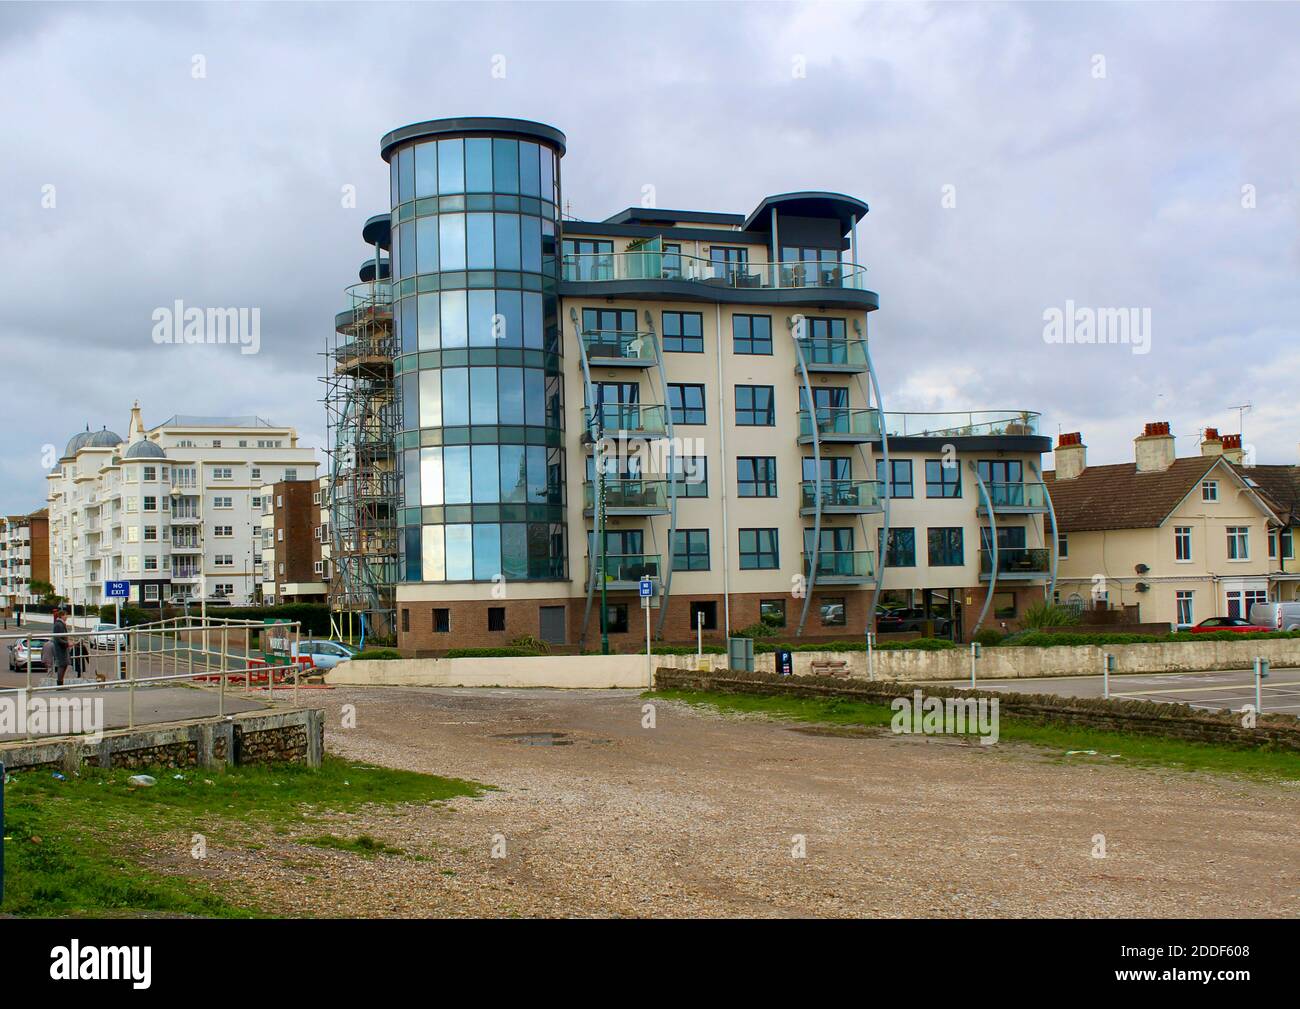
point(59, 632)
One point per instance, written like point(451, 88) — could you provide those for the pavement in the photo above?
point(1211, 690)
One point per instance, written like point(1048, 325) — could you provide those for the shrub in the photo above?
point(762, 629)
point(919, 644)
point(1045, 614)
point(527, 641)
point(989, 636)
point(490, 653)
point(379, 654)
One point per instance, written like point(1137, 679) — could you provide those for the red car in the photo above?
point(1212, 624)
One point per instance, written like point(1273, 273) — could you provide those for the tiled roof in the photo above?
point(1280, 485)
point(1119, 497)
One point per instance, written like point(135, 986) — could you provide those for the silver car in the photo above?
point(325, 654)
point(18, 653)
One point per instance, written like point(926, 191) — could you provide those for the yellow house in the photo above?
point(1171, 540)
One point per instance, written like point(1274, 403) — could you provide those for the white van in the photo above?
point(1279, 616)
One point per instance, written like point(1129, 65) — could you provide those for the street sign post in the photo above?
point(117, 591)
point(647, 587)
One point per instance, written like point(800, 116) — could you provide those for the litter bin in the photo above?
point(784, 662)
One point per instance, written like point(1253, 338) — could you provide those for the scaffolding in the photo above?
point(361, 409)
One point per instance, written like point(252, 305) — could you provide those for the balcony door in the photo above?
point(1005, 479)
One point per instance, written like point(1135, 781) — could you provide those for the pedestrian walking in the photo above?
point(59, 632)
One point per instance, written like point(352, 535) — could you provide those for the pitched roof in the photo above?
point(1119, 497)
point(1280, 485)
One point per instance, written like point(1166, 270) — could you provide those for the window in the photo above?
point(150, 533)
point(1183, 602)
point(946, 547)
point(496, 618)
point(150, 503)
point(257, 473)
point(1287, 544)
point(616, 618)
point(291, 474)
point(691, 550)
point(902, 548)
point(751, 334)
point(223, 530)
point(731, 263)
point(151, 593)
point(216, 443)
point(224, 560)
point(1209, 490)
point(1238, 543)
point(901, 484)
point(317, 567)
point(942, 479)
point(406, 620)
point(441, 621)
point(683, 332)
point(151, 563)
point(257, 502)
point(221, 473)
point(224, 589)
point(833, 612)
point(704, 615)
point(1063, 545)
point(772, 612)
point(756, 476)
point(1182, 543)
point(755, 406)
point(686, 403)
point(279, 535)
point(588, 259)
point(691, 474)
point(758, 549)
point(1272, 545)
point(150, 474)
point(223, 502)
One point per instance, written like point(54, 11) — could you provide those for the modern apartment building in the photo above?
point(292, 566)
point(1174, 540)
point(682, 396)
point(175, 509)
point(24, 558)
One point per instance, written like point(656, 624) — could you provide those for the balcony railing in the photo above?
point(841, 495)
point(631, 495)
point(840, 565)
point(962, 424)
point(830, 354)
point(841, 423)
point(655, 265)
point(626, 569)
point(1030, 561)
point(369, 295)
point(614, 418)
point(608, 345)
point(1017, 496)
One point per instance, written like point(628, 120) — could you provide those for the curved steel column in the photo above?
point(595, 448)
point(888, 484)
point(1056, 536)
point(672, 480)
point(993, 545)
point(817, 479)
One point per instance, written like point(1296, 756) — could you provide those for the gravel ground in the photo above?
point(699, 816)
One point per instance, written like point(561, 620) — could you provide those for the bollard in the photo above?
point(871, 655)
point(225, 640)
point(974, 657)
point(1107, 667)
point(1261, 674)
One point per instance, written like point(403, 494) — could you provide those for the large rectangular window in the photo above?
point(683, 332)
point(1184, 600)
point(758, 549)
point(902, 548)
point(691, 474)
point(901, 484)
point(691, 550)
point(1182, 543)
point(756, 476)
point(755, 406)
point(686, 403)
point(942, 479)
point(1238, 543)
point(946, 547)
point(751, 334)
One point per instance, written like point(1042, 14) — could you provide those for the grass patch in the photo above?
point(69, 843)
point(363, 845)
point(1142, 751)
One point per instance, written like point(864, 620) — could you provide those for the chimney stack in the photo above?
point(1153, 449)
point(1071, 456)
point(1232, 448)
point(1211, 443)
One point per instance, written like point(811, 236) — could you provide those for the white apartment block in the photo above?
point(174, 509)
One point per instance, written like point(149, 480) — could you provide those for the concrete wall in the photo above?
point(905, 665)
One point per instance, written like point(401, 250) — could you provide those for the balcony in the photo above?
point(840, 567)
point(1016, 563)
point(1015, 499)
point(840, 497)
point(607, 348)
point(832, 356)
point(624, 420)
point(623, 572)
point(185, 518)
point(966, 424)
point(367, 303)
point(187, 547)
point(841, 425)
point(627, 497)
point(654, 264)
point(186, 576)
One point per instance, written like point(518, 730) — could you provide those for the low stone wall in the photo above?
point(1178, 721)
point(580, 671)
point(254, 737)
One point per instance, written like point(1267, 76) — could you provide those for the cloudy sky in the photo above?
point(1015, 157)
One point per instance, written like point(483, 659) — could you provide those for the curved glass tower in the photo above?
point(475, 215)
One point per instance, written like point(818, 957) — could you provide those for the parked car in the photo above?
point(888, 621)
point(1211, 625)
point(325, 654)
point(18, 653)
point(107, 636)
point(915, 620)
point(1276, 616)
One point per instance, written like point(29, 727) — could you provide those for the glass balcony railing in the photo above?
point(1017, 561)
point(611, 418)
point(841, 422)
point(608, 344)
point(828, 352)
point(626, 568)
point(657, 265)
point(623, 493)
point(839, 563)
point(1017, 495)
point(962, 424)
point(362, 297)
point(861, 494)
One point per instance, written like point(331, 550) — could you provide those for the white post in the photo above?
point(649, 665)
point(117, 638)
point(1260, 667)
point(1105, 676)
point(699, 635)
point(974, 654)
point(871, 655)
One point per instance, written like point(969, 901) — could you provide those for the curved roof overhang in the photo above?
point(837, 206)
point(693, 290)
point(378, 230)
point(524, 129)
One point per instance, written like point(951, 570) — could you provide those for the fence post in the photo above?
point(974, 656)
point(297, 666)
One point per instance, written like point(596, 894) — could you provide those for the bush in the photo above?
point(527, 641)
point(1045, 614)
point(379, 654)
point(919, 644)
point(684, 650)
point(989, 636)
point(761, 629)
point(314, 617)
point(490, 653)
point(1041, 639)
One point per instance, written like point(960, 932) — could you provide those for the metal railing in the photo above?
point(832, 421)
point(628, 493)
point(628, 567)
point(633, 418)
point(1017, 560)
point(635, 348)
point(840, 564)
point(962, 424)
point(841, 494)
point(1017, 495)
point(642, 264)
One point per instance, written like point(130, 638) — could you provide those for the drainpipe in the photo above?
point(722, 436)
